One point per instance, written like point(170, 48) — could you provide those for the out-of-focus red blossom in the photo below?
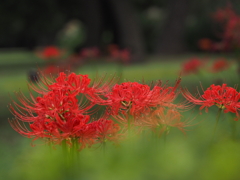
point(224, 14)
point(224, 97)
point(161, 120)
point(135, 98)
point(122, 55)
point(229, 22)
point(232, 32)
point(220, 65)
point(51, 69)
point(91, 52)
point(192, 66)
point(50, 52)
point(58, 115)
point(106, 130)
point(205, 44)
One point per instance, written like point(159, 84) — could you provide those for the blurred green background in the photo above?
point(156, 56)
point(190, 156)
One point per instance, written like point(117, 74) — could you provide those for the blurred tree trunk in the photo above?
point(171, 39)
point(91, 14)
point(124, 25)
point(128, 31)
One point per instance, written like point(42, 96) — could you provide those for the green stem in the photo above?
point(129, 125)
point(165, 138)
point(120, 71)
point(217, 120)
point(130, 119)
point(234, 128)
point(104, 148)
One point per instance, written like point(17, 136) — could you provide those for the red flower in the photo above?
point(51, 69)
point(224, 14)
point(50, 52)
point(91, 52)
point(226, 98)
point(161, 120)
point(229, 22)
point(192, 66)
point(158, 120)
point(220, 65)
point(122, 55)
point(58, 114)
point(106, 130)
point(73, 84)
point(136, 98)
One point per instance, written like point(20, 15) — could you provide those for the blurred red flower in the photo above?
point(224, 97)
point(122, 55)
point(224, 14)
point(91, 52)
point(192, 66)
point(229, 23)
point(220, 65)
point(49, 53)
point(161, 120)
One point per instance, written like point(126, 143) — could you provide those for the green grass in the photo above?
point(181, 157)
point(20, 57)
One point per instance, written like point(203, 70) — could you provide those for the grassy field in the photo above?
point(180, 157)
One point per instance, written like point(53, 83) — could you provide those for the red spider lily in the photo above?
point(161, 120)
point(225, 98)
point(231, 34)
point(122, 55)
point(229, 22)
point(224, 14)
point(192, 66)
point(91, 52)
point(51, 69)
point(73, 84)
point(50, 52)
point(106, 130)
point(57, 115)
point(132, 96)
point(136, 98)
point(220, 65)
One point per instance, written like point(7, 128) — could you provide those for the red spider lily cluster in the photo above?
point(90, 55)
point(195, 65)
point(56, 62)
point(59, 113)
point(64, 110)
point(220, 65)
point(192, 66)
point(80, 58)
point(91, 52)
point(50, 53)
point(224, 97)
point(229, 22)
point(121, 55)
point(137, 105)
